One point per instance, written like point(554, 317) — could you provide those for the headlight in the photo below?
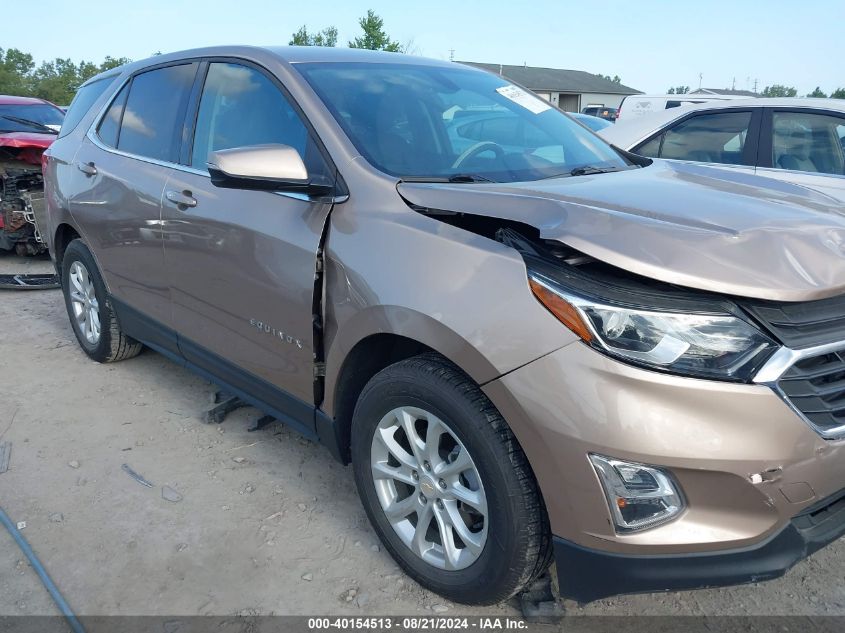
point(718, 346)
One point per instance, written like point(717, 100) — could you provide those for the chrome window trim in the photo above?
point(784, 358)
point(798, 172)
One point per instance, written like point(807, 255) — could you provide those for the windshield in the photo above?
point(13, 117)
point(426, 122)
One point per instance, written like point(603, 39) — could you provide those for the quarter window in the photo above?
point(240, 106)
point(651, 148)
point(110, 125)
point(82, 102)
point(709, 138)
point(809, 142)
point(151, 124)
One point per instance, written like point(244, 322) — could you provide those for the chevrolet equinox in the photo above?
point(530, 345)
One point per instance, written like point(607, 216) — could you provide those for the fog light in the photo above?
point(639, 496)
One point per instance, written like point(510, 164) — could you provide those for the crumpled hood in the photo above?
point(713, 229)
point(26, 139)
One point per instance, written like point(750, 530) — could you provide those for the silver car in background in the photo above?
point(801, 141)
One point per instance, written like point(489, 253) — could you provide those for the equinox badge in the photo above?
point(269, 329)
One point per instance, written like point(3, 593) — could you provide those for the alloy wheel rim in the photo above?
point(429, 488)
point(83, 298)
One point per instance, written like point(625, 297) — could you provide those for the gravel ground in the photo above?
point(267, 523)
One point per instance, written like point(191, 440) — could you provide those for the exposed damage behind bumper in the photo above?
point(21, 201)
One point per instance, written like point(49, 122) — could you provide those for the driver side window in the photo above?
point(709, 138)
point(241, 107)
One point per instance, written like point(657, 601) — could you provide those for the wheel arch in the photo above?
point(64, 235)
point(378, 337)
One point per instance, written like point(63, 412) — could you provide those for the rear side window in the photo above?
point(82, 102)
point(151, 124)
point(242, 107)
point(804, 141)
point(709, 138)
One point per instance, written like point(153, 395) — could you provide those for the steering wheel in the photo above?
point(478, 148)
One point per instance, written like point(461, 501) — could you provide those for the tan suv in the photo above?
point(530, 345)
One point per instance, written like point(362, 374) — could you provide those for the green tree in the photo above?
point(375, 38)
point(56, 81)
point(778, 90)
point(839, 93)
point(818, 92)
point(678, 90)
point(86, 70)
point(15, 70)
point(326, 37)
point(113, 62)
point(615, 79)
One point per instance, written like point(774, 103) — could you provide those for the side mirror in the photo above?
point(262, 167)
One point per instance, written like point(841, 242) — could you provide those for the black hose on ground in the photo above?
point(72, 620)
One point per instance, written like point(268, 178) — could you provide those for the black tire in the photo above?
point(518, 544)
point(113, 344)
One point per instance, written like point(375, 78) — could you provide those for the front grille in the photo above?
point(815, 386)
point(801, 324)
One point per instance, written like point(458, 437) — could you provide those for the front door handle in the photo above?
point(181, 199)
point(87, 168)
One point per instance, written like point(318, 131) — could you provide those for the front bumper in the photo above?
point(603, 574)
point(751, 471)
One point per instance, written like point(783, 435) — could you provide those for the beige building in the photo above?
point(570, 90)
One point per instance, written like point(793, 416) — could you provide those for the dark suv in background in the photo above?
point(608, 114)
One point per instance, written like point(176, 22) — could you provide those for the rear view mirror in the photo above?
point(263, 167)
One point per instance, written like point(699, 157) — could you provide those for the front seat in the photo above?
point(792, 150)
point(700, 156)
point(796, 162)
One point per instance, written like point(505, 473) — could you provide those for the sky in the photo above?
point(650, 44)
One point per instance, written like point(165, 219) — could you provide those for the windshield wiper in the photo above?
point(469, 178)
point(47, 129)
point(455, 178)
point(586, 170)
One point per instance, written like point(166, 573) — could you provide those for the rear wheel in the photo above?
point(91, 315)
point(445, 483)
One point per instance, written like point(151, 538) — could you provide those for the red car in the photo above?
point(27, 127)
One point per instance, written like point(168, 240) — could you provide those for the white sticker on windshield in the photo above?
point(525, 99)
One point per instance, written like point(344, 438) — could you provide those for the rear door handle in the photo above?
point(181, 198)
point(87, 168)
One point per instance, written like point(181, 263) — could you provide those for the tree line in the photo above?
point(373, 36)
point(775, 90)
point(57, 80)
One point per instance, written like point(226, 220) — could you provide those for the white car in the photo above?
point(801, 141)
point(635, 106)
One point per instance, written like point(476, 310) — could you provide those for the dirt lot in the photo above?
point(268, 522)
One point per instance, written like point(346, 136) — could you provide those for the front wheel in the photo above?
point(445, 483)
